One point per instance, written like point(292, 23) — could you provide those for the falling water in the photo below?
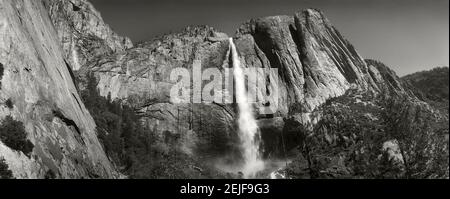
point(248, 129)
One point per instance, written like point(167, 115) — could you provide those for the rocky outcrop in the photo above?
point(315, 62)
point(82, 32)
point(140, 77)
point(37, 89)
point(387, 80)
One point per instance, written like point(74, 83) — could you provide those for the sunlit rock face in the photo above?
point(83, 33)
point(315, 62)
point(140, 77)
point(39, 84)
point(387, 80)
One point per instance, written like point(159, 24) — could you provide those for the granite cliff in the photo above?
point(38, 91)
point(83, 34)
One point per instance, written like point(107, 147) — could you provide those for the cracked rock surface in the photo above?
point(38, 82)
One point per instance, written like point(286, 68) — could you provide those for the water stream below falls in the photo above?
point(248, 129)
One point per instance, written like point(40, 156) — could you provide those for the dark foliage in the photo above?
point(349, 141)
point(13, 135)
point(422, 137)
point(5, 173)
point(433, 84)
point(9, 104)
point(133, 147)
point(118, 127)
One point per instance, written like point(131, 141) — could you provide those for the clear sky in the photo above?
point(407, 35)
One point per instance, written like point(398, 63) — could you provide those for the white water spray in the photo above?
point(248, 128)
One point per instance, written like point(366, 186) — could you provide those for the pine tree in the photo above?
point(5, 173)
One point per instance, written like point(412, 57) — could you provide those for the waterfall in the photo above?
point(248, 128)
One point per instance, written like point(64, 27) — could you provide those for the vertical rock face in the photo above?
point(315, 62)
point(140, 77)
point(39, 87)
point(387, 80)
point(82, 31)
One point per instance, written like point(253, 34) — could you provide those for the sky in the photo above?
point(407, 35)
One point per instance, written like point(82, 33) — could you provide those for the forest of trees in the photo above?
point(13, 135)
point(432, 85)
point(351, 142)
point(5, 173)
point(133, 148)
